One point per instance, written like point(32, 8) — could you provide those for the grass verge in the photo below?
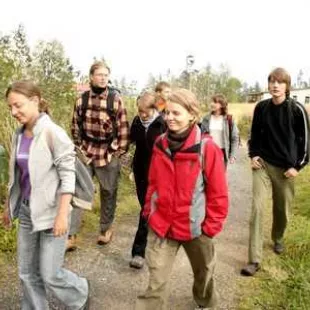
point(284, 282)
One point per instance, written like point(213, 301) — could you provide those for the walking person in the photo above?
point(186, 204)
point(222, 128)
point(163, 90)
point(40, 190)
point(279, 149)
point(145, 128)
point(100, 132)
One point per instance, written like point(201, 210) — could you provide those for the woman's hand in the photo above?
point(60, 225)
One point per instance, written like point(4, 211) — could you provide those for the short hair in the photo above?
point(161, 85)
point(187, 100)
point(147, 99)
point(221, 99)
point(98, 64)
point(282, 76)
point(28, 89)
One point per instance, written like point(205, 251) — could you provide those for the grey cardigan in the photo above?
point(231, 145)
point(50, 174)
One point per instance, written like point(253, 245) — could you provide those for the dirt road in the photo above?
point(115, 285)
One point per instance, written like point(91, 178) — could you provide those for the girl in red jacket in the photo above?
point(186, 203)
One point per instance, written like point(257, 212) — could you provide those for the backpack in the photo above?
point(84, 186)
point(112, 92)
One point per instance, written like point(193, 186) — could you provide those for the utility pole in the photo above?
point(190, 60)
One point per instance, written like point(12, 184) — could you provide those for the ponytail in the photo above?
point(44, 106)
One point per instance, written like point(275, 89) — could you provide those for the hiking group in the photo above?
point(171, 141)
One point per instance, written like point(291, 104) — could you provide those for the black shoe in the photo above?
point(86, 306)
point(278, 248)
point(250, 269)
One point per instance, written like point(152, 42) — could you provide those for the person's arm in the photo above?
point(216, 190)
point(234, 140)
point(122, 127)
point(64, 160)
point(205, 124)
point(302, 131)
point(151, 189)
point(75, 130)
point(256, 129)
point(133, 131)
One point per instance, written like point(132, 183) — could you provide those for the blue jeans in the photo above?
point(40, 260)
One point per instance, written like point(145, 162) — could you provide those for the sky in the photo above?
point(139, 37)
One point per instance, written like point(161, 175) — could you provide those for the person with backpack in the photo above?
point(279, 149)
point(40, 190)
point(185, 205)
point(145, 128)
point(100, 132)
point(222, 128)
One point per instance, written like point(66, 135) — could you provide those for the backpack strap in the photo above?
point(112, 92)
point(203, 142)
point(82, 112)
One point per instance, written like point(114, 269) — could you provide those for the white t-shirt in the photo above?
point(216, 130)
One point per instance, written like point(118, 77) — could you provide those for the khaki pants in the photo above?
point(160, 255)
point(282, 197)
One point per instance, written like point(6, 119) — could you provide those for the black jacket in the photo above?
point(280, 134)
point(144, 141)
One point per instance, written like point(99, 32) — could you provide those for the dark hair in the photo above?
point(29, 89)
point(161, 85)
point(98, 64)
point(147, 99)
point(221, 99)
point(282, 76)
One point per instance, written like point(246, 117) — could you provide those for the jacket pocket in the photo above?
point(51, 193)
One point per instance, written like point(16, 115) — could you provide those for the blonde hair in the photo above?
point(29, 89)
point(147, 100)
point(98, 64)
point(187, 100)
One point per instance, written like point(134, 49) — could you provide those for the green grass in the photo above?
point(284, 282)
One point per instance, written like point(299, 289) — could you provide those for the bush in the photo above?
point(8, 238)
point(244, 126)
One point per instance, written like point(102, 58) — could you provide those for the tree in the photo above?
point(52, 70)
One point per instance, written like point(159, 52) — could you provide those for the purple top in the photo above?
point(22, 162)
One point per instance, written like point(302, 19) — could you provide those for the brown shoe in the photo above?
point(71, 243)
point(105, 238)
point(250, 269)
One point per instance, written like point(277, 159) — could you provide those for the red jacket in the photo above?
point(183, 199)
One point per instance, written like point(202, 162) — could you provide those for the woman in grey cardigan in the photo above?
point(42, 181)
point(221, 126)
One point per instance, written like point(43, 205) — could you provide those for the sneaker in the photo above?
point(250, 269)
point(86, 306)
point(71, 243)
point(137, 262)
point(278, 248)
point(105, 238)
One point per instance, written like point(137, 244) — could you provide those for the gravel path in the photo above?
point(115, 286)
